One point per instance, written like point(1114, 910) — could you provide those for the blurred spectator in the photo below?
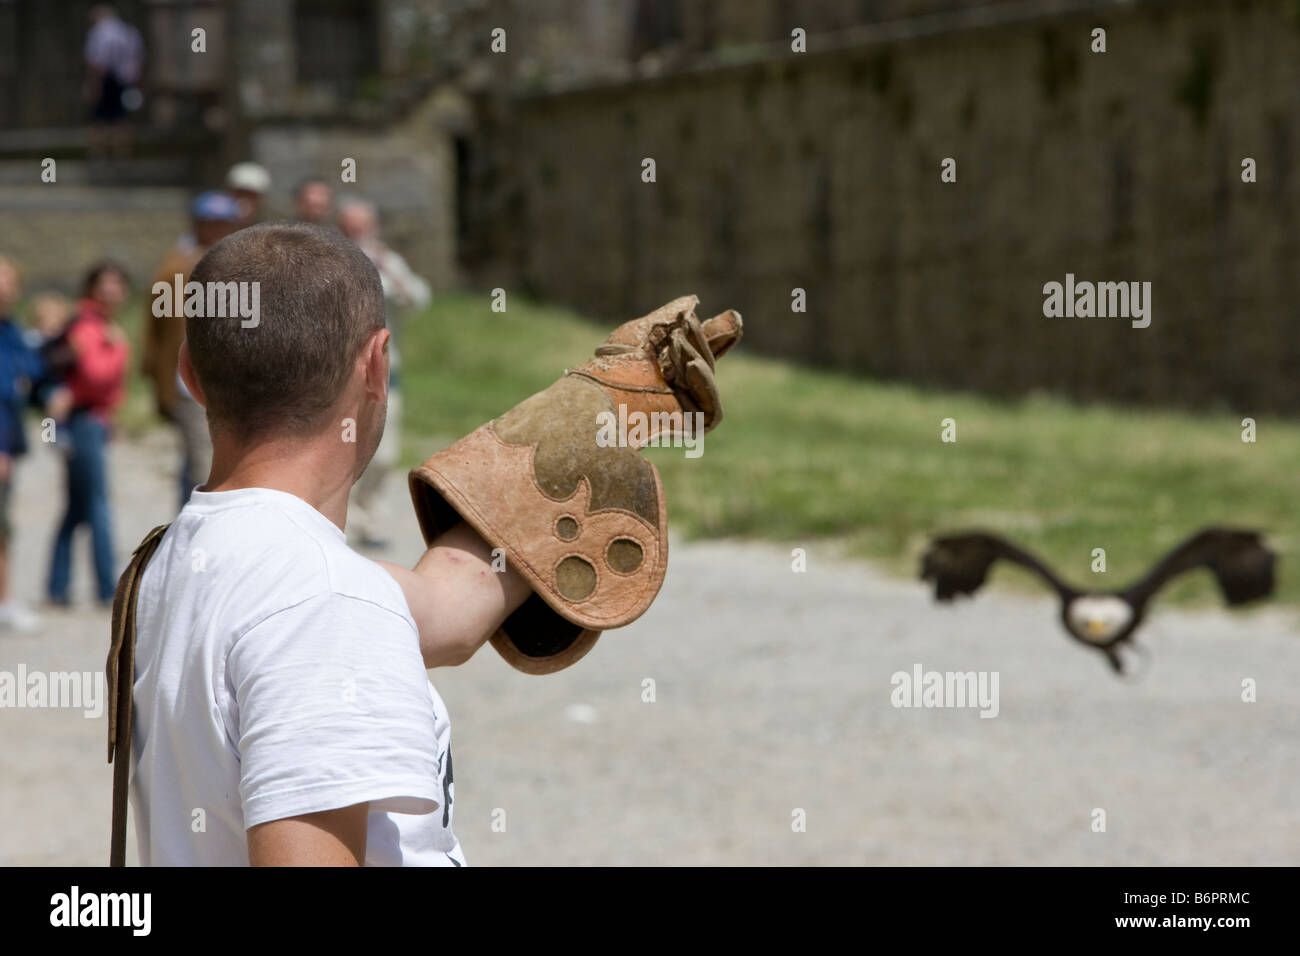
point(22, 373)
point(49, 318)
point(248, 183)
point(215, 215)
point(98, 385)
point(313, 201)
point(114, 57)
point(189, 243)
point(404, 292)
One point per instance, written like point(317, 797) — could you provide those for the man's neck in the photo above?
point(307, 468)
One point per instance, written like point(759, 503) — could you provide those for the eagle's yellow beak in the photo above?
point(1096, 627)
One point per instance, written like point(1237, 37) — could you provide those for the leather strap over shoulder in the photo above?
point(120, 678)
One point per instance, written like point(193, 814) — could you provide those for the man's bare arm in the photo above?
point(455, 597)
point(328, 838)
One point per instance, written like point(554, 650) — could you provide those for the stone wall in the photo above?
point(821, 171)
point(406, 168)
point(56, 231)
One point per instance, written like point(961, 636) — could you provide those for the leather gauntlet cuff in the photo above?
point(583, 519)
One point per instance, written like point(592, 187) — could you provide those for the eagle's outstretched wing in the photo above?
point(1241, 563)
point(959, 564)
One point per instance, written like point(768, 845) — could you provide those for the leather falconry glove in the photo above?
point(581, 517)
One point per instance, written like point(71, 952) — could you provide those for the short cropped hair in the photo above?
point(320, 299)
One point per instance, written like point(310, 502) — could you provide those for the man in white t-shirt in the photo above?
point(282, 710)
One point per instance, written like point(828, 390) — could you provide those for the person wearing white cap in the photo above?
point(248, 183)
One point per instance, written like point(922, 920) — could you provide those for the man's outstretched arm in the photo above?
point(455, 597)
point(328, 838)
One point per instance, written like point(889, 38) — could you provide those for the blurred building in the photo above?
point(299, 85)
point(814, 178)
point(777, 169)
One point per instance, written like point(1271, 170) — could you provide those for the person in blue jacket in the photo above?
point(24, 378)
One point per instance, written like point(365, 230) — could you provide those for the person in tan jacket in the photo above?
point(215, 216)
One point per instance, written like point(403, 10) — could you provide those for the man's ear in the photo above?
point(189, 376)
point(374, 361)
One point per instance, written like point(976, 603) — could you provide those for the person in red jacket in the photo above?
point(97, 382)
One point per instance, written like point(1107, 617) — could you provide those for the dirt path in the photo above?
point(772, 693)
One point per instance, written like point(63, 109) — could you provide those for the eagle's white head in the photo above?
point(1097, 618)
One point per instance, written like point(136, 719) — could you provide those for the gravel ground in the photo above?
point(771, 696)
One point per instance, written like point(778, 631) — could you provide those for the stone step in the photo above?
point(149, 171)
point(65, 197)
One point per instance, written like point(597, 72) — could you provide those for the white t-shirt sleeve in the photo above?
point(334, 709)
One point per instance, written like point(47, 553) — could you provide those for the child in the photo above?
point(20, 369)
point(50, 316)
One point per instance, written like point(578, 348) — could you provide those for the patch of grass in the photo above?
point(810, 458)
point(805, 457)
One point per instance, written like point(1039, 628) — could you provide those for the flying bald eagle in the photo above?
point(1243, 566)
